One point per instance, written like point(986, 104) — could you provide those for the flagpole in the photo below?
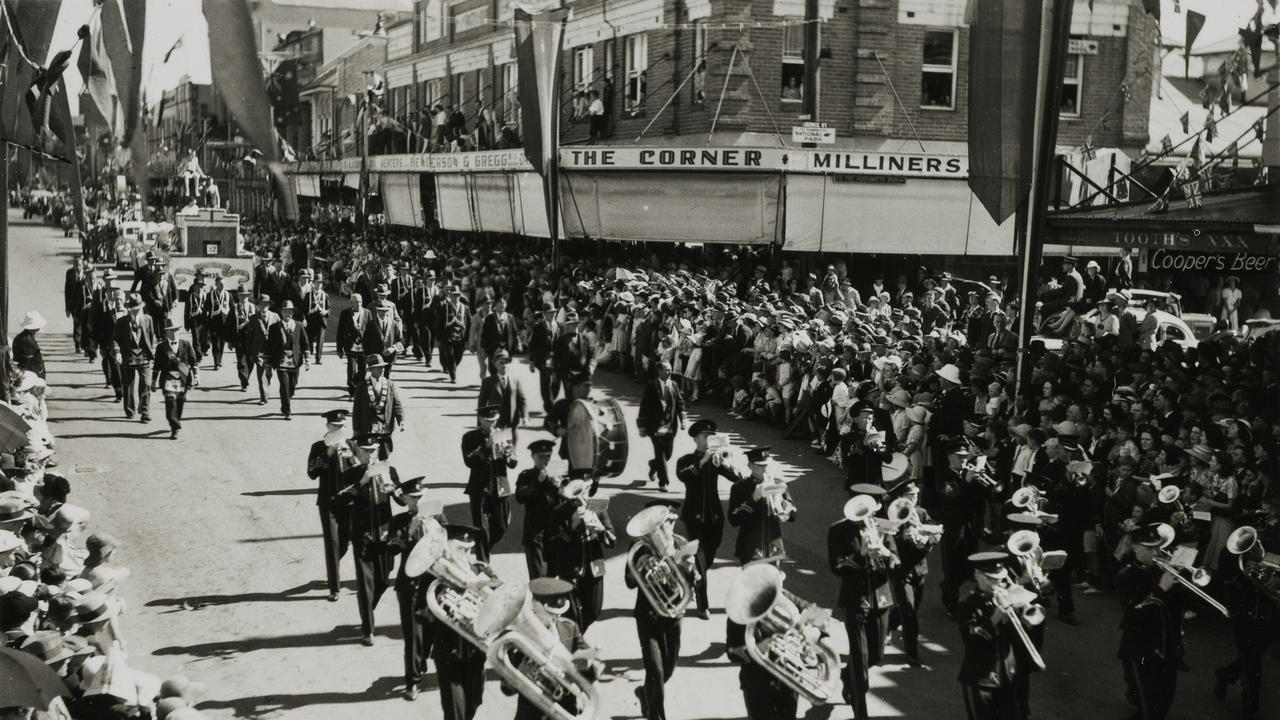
point(1055, 26)
point(4, 274)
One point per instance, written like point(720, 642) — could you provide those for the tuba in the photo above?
point(458, 592)
point(780, 637)
point(1260, 569)
point(655, 563)
point(542, 671)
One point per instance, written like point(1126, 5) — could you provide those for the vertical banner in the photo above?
point(538, 41)
point(1004, 47)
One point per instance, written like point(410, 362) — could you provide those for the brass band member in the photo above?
point(914, 539)
point(367, 499)
point(757, 507)
point(550, 603)
point(861, 554)
point(1030, 574)
point(702, 512)
point(487, 486)
point(581, 535)
point(1151, 629)
point(416, 624)
point(766, 696)
point(960, 493)
point(539, 492)
point(328, 460)
point(990, 657)
point(1255, 615)
point(577, 386)
point(660, 634)
point(459, 664)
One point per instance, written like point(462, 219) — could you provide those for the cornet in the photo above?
point(904, 514)
point(722, 454)
point(544, 674)
point(656, 564)
point(458, 592)
point(576, 491)
point(782, 639)
point(1260, 568)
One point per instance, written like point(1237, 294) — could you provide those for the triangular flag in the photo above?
point(1195, 22)
point(1186, 122)
point(1197, 153)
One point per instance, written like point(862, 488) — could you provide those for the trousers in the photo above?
point(136, 382)
point(288, 378)
point(663, 447)
point(659, 651)
point(173, 404)
point(866, 631)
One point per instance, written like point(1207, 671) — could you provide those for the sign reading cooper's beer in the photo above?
point(1211, 262)
point(766, 160)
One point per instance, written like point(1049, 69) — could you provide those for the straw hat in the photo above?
point(33, 320)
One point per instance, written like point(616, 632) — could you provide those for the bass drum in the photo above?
point(596, 437)
point(895, 469)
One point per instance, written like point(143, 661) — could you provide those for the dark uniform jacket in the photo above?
point(990, 649)
point(539, 499)
point(574, 551)
point(175, 362)
point(864, 583)
point(329, 467)
point(644, 611)
point(351, 329)
point(485, 467)
point(1151, 627)
point(759, 531)
point(701, 489)
point(541, 340)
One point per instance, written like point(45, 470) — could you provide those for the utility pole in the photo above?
point(812, 42)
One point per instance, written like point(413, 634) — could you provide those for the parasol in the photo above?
point(25, 681)
point(13, 429)
point(622, 274)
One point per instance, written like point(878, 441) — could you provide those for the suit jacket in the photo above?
point(26, 353)
point(498, 332)
point(257, 339)
point(364, 413)
point(759, 531)
point(568, 353)
point(175, 361)
point(351, 328)
point(135, 351)
point(656, 406)
point(457, 317)
point(379, 338)
point(288, 349)
point(76, 291)
point(485, 467)
point(197, 308)
point(103, 319)
point(511, 399)
point(541, 340)
point(864, 587)
point(313, 304)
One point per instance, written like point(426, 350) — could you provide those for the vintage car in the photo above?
point(209, 241)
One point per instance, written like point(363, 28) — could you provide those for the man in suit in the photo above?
point(702, 511)
point(351, 327)
point(315, 301)
point(288, 351)
point(1002, 341)
point(327, 461)
point(661, 417)
point(541, 343)
point(258, 343)
point(385, 335)
point(425, 300)
point(219, 320)
point(451, 330)
point(158, 288)
point(759, 519)
point(539, 492)
point(108, 307)
point(569, 355)
point(175, 367)
point(376, 407)
point(275, 284)
point(134, 347)
point(499, 331)
point(487, 482)
point(507, 393)
point(195, 314)
point(243, 312)
point(76, 297)
point(865, 593)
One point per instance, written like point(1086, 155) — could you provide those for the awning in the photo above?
point(307, 185)
point(689, 207)
point(917, 216)
point(402, 200)
point(492, 202)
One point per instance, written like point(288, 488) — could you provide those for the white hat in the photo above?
point(9, 541)
point(1092, 264)
point(29, 382)
point(950, 373)
point(33, 320)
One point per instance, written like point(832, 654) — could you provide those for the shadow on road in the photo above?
point(270, 706)
point(196, 602)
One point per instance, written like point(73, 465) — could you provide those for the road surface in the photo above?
point(220, 530)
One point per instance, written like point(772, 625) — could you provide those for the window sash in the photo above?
point(949, 69)
point(583, 67)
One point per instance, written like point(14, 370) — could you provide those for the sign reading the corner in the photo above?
point(766, 160)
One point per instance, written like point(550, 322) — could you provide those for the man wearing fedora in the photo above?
point(197, 317)
point(157, 287)
point(351, 328)
point(288, 350)
point(451, 330)
point(385, 335)
point(499, 332)
point(220, 323)
point(77, 289)
point(257, 343)
point(426, 298)
point(243, 312)
point(175, 370)
point(506, 392)
point(108, 307)
point(134, 347)
point(376, 406)
point(313, 298)
point(25, 347)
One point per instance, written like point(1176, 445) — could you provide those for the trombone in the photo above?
point(1018, 605)
point(1199, 577)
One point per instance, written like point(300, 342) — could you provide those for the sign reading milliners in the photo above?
point(846, 162)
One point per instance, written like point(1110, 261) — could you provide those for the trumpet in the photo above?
point(656, 564)
point(458, 592)
point(543, 670)
point(780, 637)
point(1198, 580)
point(1017, 604)
point(975, 469)
point(729, 457)
point(905, 515)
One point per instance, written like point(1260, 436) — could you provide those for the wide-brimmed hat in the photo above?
point(918, 414)
point(1201, 452)
point(96, 606)
point(899, 397)
point(950, 373)
point(33, 320)
point(374, 360)
point(49, 646)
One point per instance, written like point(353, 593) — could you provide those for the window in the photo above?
point(1072, 76)
point(584, 68)
point(430, 14)
point(793, 63)
point(460, 97)
point(435, 93)
point(509, 103)
point(938, 70)
point(699, 61)
point(637, 56)
point(609, 62)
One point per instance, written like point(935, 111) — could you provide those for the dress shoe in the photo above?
point(145, 418)
point(262, 401)
point(128, 416)
point(702, 614)
point(914, 661)
point(173, 434)
point(332, 597)
point(367, 641)
point(411, 692)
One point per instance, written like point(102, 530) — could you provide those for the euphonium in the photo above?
point(1254, 562)
point(542, 671)
point(457, 593)
point(781, 638)
point(1198, 580)
point(655, 564)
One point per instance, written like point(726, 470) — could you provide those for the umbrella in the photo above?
point(619, 274)
point(25, 681)
point(13, 429)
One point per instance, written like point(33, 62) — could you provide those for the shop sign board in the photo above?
point(1177, 239)
point(1227, 263)
point(738, 159)
point(813, 132)
point(489, 161)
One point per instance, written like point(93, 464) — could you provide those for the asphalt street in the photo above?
point(220, 530)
